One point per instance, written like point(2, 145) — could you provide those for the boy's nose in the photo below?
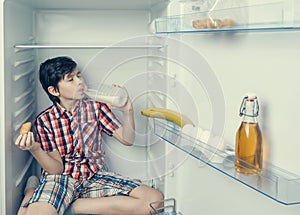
point(81, 83)
point(79, 80)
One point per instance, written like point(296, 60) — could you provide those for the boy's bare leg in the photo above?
point(137, 203)
point(28, 195)
point(39, 208)
point(31, 184)
point(35, 208)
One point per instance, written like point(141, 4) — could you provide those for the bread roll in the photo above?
point(212, 23)
point(228, 23)
point(199, 24)
point(25, 128)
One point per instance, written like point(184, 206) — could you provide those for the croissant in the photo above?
point(25, 128)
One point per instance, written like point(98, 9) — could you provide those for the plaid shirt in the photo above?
point(77, 136)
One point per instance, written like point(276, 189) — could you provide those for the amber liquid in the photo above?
point(248, 149)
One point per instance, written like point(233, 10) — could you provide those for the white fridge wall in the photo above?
point(86, 27)
point(19, 98)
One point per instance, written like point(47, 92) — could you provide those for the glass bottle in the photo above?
point(109, 94)
point(248, 148)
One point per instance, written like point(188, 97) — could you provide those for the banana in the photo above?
point(167, 114)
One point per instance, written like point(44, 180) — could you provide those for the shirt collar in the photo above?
point(59, 110)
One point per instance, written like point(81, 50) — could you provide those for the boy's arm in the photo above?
point(51, 162)
point(126, 133)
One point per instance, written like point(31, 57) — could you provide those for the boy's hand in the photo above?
point(26, 142)
point(127, 107)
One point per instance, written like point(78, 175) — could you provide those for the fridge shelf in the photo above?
point(279, 15)
point(74, 46)
point(273, 182)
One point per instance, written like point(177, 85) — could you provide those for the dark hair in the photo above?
point(53, 70)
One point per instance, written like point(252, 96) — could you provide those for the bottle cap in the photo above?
point(251, 96)
point(249, 106)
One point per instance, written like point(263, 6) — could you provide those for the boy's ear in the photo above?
point(53, 91)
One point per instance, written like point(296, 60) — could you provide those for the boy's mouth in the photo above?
point(81, 88)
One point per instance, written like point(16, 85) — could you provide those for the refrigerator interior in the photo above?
point(83, 32)
point(110, 41)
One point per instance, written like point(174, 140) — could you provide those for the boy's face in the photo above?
point(71, 87)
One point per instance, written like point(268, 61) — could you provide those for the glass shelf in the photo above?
point(74, 46)
point(279, 15)
point(273, 182)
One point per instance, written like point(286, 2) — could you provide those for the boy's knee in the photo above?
point(156, 201)
point(146, 196)
point(158, 196)
point(38, 208)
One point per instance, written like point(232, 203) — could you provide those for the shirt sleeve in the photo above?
point(44, 135)
point(108, 121)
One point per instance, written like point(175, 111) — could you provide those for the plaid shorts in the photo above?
point(61, 190)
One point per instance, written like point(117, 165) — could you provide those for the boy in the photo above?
point(68, 148)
